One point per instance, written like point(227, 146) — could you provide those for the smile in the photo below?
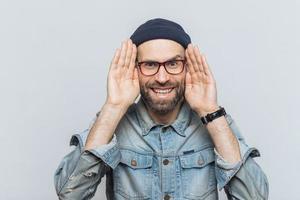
point(162, 91)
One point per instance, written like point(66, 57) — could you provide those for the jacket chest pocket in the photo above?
point(198, 175)
point(133, 175)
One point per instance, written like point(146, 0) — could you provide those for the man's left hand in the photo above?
point(200, 86)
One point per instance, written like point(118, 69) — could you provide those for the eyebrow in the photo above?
point(174, 57)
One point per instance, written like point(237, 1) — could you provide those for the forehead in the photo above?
point(159, 50)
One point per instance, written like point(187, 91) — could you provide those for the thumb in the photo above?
point(135, 74)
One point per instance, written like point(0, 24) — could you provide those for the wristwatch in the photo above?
point(211, 116)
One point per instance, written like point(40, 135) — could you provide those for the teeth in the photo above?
point(160, 91)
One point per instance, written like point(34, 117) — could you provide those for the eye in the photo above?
point(172, 63)
point(150, 64)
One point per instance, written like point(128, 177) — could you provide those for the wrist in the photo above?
point(115, 107)
point(110, 113)
point(208, 110)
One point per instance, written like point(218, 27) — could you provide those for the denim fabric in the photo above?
point(146, 160)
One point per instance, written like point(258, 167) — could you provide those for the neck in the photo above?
point(167, 118)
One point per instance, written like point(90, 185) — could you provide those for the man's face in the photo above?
point(162, 91)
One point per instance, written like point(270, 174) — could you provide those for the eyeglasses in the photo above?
point(150, 68)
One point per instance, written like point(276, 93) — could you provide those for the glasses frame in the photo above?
point(162, 64)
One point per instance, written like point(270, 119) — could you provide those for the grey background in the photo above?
point(55, 57)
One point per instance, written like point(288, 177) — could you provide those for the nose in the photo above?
point(162, 75)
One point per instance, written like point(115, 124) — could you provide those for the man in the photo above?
point(176, 142)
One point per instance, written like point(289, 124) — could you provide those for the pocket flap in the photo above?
point(136, 160)
point(197, 159)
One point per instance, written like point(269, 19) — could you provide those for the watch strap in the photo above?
point(212, 116)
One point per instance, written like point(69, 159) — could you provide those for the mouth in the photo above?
point(162, 90)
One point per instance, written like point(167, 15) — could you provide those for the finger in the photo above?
point(132, 61)
point(135, 74)
point(128, 53)
point(121, 61)
point(193, 58)
point(198, 58)
point(194, 75)
point(206, 68)
point(188, 78)
point(114, 62)
point(189, 62)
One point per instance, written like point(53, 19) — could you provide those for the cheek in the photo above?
point(143, 82)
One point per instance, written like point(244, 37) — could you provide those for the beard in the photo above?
point(162, 106)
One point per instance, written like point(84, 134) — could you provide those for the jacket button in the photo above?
point(200, 162)
point(133, 162)
point(165, 161)
point(167, 197)
point(89, 174)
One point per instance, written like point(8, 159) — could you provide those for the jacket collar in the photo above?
point(179, 125)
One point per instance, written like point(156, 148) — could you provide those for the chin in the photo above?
point(161, 106)
point(162, 103)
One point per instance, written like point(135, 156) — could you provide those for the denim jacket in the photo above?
point(145, 160)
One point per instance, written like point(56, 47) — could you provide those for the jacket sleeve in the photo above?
point(80, 172)
point(243, 180)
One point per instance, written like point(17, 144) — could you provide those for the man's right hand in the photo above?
point(122, 90)
point(122, 82)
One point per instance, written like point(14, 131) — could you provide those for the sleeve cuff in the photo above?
point(225, 171)
point(108, 153)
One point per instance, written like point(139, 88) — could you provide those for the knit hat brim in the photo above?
point(160, 29)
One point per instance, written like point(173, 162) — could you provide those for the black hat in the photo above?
point(159, 28)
